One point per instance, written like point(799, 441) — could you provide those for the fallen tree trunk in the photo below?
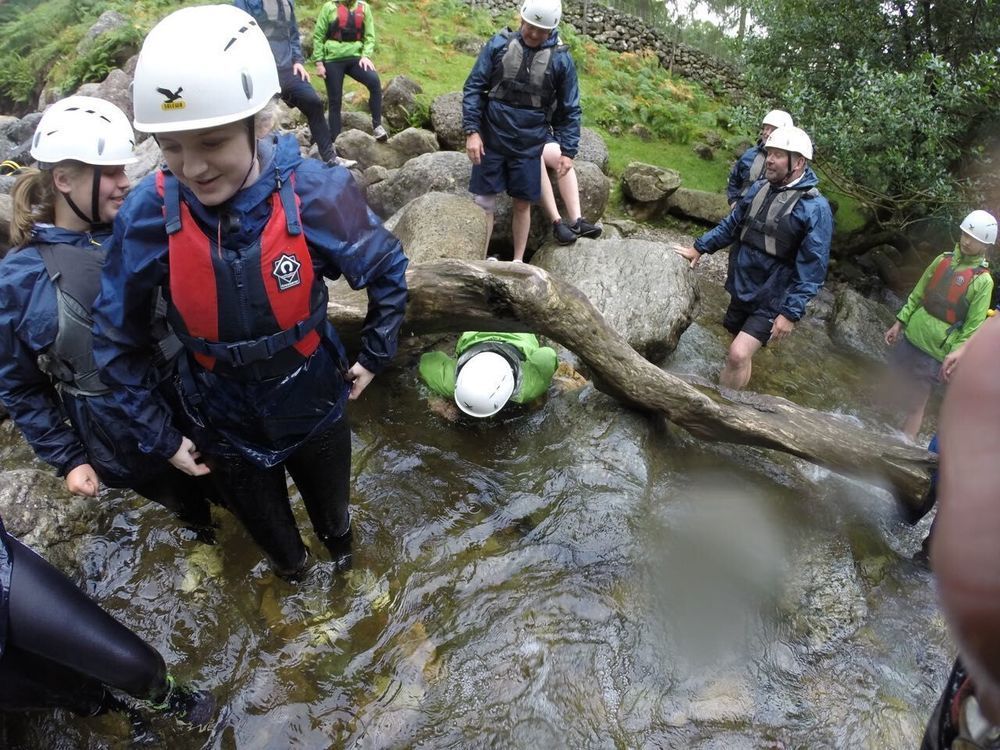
point(451, 295)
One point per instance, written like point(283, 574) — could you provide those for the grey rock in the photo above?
point(709, 208)
point(5, 216)
point(643, 289)
point(860, 324)
point(440, 225)
point(399, 149)
point(647, 183)
point(399, 102)
point(441, 171)
point(593, 149)
point(149, 159)
point(704, 151)
point(353, 120)
point(108, 21)
point(446, 119)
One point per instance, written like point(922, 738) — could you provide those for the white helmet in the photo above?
point(84, 129)
point(202, 67)
point(544, 14)
point(791, 139)
point(484, 384)
point(778, 118)
point(981, 225)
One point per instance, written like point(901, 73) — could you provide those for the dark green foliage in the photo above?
point(890, 92)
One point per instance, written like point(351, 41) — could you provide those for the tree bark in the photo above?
point(452, 295)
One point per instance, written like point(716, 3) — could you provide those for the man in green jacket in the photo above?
point(944, 309)
point(490, 370)
point(343, 44)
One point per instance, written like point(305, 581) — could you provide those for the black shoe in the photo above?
point(586, 229)
point(195, 707)
point(563, 233)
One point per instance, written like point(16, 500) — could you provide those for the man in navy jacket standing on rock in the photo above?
point(522, 88)
point(783, 227)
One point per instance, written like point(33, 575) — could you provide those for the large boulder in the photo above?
point(593, 149)
point(647, 188)
point(364, 149)
point(5, 216)
point(700, 205)
point(149, 159)
point(446, 119)
point(108, 21)
point(644, 289)
point(860, 324)
point(440, 225)
point(441, 171)
point(399, 102)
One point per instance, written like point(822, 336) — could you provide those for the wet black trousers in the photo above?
point(190, 498)
point(321, 470)
point(63, 650)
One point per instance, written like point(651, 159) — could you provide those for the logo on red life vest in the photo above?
point(959, 280)
point(286, 271)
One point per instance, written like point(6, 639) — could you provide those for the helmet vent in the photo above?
point(100, 145)
point(247, 84)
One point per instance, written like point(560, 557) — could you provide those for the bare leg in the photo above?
point(548, 199)
point(921, 392)
point(520, 226)
point(489, 204)
point(736, 372)
point(569, 187)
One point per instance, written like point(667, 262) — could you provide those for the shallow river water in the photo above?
point(567, 576)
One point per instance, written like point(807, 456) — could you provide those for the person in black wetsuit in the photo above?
point(59, 649)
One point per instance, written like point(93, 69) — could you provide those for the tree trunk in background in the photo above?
point(451, 295)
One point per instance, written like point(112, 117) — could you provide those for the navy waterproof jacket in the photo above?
point(521, 131)
point(263, 420)
point(775, 286)
point(276, 19)
point(741, 171)
point(28, 327)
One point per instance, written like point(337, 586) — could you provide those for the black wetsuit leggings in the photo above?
point(63, 650)
point(321, 470)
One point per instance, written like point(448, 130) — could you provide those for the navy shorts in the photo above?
point(913, 360)
point(748, 318)
point(518, 176)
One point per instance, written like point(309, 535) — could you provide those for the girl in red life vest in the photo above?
point(343, 45)
point(48, 282)
point(239, 231)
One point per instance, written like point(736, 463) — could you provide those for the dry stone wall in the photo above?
point(621, 32)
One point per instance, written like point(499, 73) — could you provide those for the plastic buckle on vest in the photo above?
point(248, 352)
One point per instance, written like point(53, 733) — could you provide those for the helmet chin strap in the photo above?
point(95, 193)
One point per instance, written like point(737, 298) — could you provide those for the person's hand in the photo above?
point(474, 148)
point(321, 70)
point(562, 168)
point(892, 335)
point(950, 363)
point(365, 64)
point(82, 480)
point(359, 377)
point(300, 70)
point(782, 328)
point(186, 459)
point(689, 254)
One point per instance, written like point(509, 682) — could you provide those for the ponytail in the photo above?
point(33, 199)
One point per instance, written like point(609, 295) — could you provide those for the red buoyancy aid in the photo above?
point(347, 26)
point(263, 308)
point(946, 294)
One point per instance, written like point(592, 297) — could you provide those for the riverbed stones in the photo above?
point(399, 149)
point(705, 207)
point(647, 188)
